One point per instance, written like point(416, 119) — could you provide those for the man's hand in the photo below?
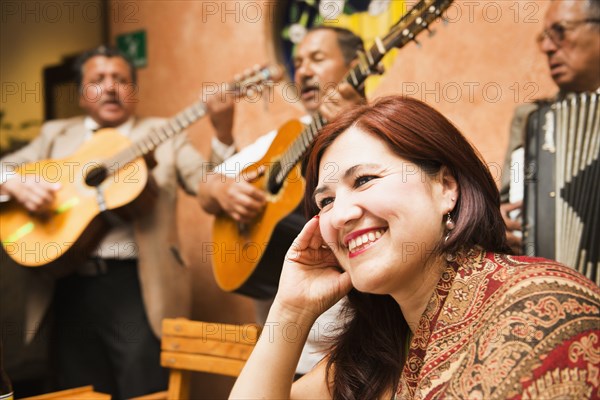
point(336, 101)
point(34, 193)
point(220, 108)
point(512, 225)
point(233, 195)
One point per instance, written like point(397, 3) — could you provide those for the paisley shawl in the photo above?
point(504, 327)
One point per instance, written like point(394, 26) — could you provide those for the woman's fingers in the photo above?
point(310, 249)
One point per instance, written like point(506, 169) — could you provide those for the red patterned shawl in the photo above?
point(504, 327)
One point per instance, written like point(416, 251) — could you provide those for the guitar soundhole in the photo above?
point(96, 176)
point(273, 185)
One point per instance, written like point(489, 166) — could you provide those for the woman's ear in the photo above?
point(450, 189)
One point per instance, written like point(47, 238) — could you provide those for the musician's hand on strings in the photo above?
point(34, 193)
point(514, 241)
point(339, 99)
point(311, 280)
point(233, 195)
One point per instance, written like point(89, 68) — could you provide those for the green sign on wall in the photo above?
point(134, 45)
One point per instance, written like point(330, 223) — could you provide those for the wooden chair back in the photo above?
point(204, 347)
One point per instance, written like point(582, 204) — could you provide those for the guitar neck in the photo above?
point(152, 140)
point(171, 128)
point(297, 149)
point(256, 80)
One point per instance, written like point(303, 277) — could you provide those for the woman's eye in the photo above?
point(361, 180)
point(324, 202)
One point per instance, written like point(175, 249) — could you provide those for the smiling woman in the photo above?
point(378, 210)
point(407, 224)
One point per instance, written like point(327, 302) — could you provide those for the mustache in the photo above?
point(307, 85)
point(111, 99)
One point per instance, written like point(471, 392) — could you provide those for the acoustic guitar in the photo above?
point(239, 250)
point(107, 175)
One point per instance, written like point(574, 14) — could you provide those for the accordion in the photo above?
point(561, 203)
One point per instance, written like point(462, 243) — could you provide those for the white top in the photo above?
point(319, 339)
point(120, 240)
point(250, 154)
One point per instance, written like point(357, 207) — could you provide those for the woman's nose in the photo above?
point(345, 210)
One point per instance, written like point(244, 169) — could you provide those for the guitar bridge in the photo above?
point(100, 199)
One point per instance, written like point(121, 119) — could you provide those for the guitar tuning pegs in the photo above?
point(254, 90)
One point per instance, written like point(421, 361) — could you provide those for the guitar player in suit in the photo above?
point(108, 312)
point(321, 60)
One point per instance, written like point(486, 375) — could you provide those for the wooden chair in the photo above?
point(189, 346)
point(81, 393)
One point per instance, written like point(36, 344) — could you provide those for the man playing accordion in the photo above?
point(544, 176)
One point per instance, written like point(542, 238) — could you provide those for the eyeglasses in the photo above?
point(558, 30)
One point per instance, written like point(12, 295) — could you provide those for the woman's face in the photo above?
point(381, 215)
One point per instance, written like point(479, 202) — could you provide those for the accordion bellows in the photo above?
point(562, 183)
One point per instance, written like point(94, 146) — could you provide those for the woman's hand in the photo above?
point(311, 280)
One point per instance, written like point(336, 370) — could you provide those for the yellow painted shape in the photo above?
point(368, 27)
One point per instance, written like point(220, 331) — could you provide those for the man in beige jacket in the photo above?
point(108, 312)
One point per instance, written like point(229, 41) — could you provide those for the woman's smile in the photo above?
point(360, 241)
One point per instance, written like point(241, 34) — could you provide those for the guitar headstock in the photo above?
point(254, 79)
point(416, 20)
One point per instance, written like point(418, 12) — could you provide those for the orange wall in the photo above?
point(475, 69)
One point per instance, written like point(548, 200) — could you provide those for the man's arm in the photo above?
point(510, 177)
point(226, 192)
point(221, 109)
point(340, 99)
point(34, 193)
